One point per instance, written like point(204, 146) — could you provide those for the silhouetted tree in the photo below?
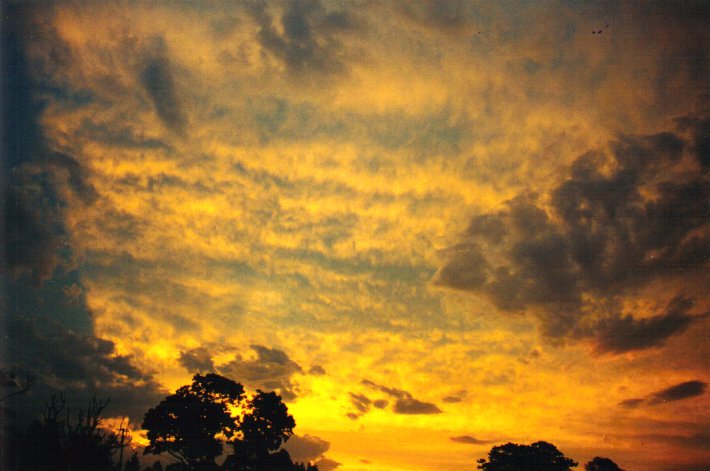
point(539, 456)
point(187, 424)
point(263, 428)
point(193, 424)
point(601, 464)
point(59, 442)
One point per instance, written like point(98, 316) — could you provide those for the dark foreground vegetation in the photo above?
point(209, 425)
point(539, 456)
point(192, 427)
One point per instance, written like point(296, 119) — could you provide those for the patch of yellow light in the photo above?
point(162, 350)
point(381, 90)
point(411, 449)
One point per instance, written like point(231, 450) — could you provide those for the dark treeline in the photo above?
point(190, 428)
point(208, 425)
point(538, 456)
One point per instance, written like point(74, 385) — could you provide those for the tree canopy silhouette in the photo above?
point(262, 430)
point(186, 424)
point(539, 456)
point(601, 464)
point(193, 424)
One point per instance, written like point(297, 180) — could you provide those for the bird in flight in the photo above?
point(600, 31)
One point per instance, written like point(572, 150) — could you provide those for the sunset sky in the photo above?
point(432, 227)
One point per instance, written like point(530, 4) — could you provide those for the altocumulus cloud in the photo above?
point(619, 222)
point(271, 369)
point(307, 40)
point(404, 402)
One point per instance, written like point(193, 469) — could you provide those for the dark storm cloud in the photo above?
point(77, 356)
point(469, 440)
point(33, 231)
point(34, 183)
point(271, 369)
point(34, 211)
point(197, 360)
point(49, 337)
point(679, 392)
point(157, 79)
point(309, 41)
point(645, 217)
point(48, 328)
point(624, 333)
point(21, 130)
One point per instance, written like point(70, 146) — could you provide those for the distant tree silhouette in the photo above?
point(539, 456)
point(601, 464)
point(186, 424)
point(192, 425)
point(59, 442)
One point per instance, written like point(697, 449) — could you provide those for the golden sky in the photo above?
point(433, 227)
